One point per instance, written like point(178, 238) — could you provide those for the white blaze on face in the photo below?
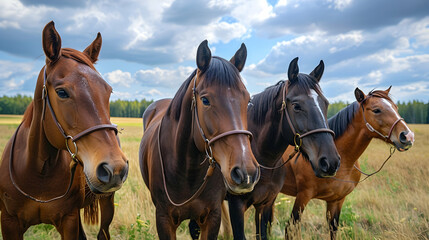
point(410, 134)
point(314, 95)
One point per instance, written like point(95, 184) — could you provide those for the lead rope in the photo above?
point(200, 189)
point(367, 175)
point(73, 165)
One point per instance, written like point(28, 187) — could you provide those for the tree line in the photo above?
point(412, 111)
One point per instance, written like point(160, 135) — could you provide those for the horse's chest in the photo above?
point(33, 212)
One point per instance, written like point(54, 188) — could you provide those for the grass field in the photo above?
point(393, 204)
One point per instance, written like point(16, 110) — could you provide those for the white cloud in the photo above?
point(118, 77)
point(157, 77)
point(16, 15)
point(340, 4)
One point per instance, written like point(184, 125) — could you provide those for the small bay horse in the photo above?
point(293, 113)
point(196, 146)
point(371, 116)
point(64, 155)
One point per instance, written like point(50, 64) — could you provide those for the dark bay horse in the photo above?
point(371, 116)
point(196, 147)
point(65, 150)
point(293, 113)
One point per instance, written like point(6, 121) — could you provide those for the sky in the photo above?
point(149, 46)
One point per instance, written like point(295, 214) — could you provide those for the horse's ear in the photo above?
point(360, 96)
point(293, 70)
point(203, 56)
point(318, 71)
point(51, 42)
point(239, 59)
point(388, 90)
point(93, 50)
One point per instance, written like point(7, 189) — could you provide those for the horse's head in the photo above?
point(221, 108)
point(76, 113)
point(382, 119)
point(307, 110)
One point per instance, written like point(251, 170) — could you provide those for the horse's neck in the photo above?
point(353, 142)
point(177, 140)
point(268, 143)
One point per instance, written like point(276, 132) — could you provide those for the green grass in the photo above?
point(393, 204)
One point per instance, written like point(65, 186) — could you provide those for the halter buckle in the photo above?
point(283, 105)
point(297, 146)
point(44, 92)
point(72, 154)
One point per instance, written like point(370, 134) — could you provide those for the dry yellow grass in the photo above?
point(393, 204)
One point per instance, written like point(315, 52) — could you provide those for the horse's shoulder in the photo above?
point(154, 111)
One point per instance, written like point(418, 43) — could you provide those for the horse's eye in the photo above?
point(296, 107)
point(376, 111)
point(62, 93)
point(205, 101)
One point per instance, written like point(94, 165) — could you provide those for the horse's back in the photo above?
point(155, 111)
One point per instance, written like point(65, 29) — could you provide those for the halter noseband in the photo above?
point(45, 98)
point(297, 139)
point(372, 129)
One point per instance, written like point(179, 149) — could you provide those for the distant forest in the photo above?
point(412, 111)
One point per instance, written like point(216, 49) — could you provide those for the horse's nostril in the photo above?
point(324, 165)
point(104, 173)
point(237, 175)
point(124, 173)
point(403, 137)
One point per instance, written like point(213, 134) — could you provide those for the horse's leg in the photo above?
point(82, 235)
point(211, 225)
point(164, 225)
point(194, 229)
point(107, 208)
point(225, 223)
point(258, 212)
point(69, 226)
point(292, 229)
point(236, 213)
point(333, 210)
point(10, 227)
point(266, 217)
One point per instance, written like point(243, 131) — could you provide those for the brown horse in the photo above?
point(285, 114)
point(196, 146)
point(372, 116)
point(65, 146)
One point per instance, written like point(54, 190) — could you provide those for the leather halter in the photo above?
point(297, 138)
point(208, 150)
point(73, 164)
point(208, 142)
point(372, 129)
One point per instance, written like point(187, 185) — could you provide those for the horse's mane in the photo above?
point(220, 72)
point(340, 121)
point(77, 56)
point(262, 102)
